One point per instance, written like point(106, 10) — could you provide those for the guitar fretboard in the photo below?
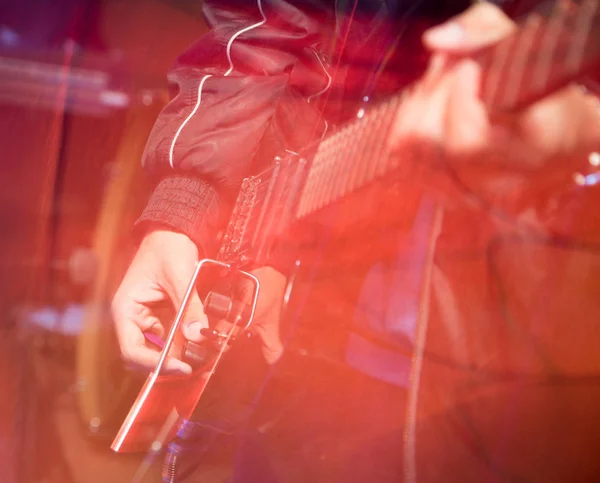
point(349, 159)
point(554, 45)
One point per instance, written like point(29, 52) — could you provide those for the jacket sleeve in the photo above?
point(228, 89)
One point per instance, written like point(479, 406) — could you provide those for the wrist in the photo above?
point(160, 237)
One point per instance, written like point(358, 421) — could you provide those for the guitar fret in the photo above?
point(323, 159)
point(493, 80)
point(306, 193)
point(382, 156)
point(352, 173)
point(342, 186)
point(363, 168)
point(358, 156)
point(361, 129)
point(359, 176)
point(368, 154)
point(322, 176)
point(326, 173)
point(339, 158)
point(341, 181)
point(540, 58)
point(357, 165)
point(378, 163)
point(333, 166)
point(309, 194)
point(355, 141)
point(525, 41)
point(383, 152)
point(358, 128)
point(373, 161)
point(319, 185)
point(582, 31)
point(337, 164)
point(293, 188)
point(553, 29)
point(267, 198)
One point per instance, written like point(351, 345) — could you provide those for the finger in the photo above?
point(137, 354)
point(435, 69)
point(125, 313)
point(481, 25)
point(132, 320)
point(467, 129)
point(428, 105)
point(194, 318)
point(268, 330)
point(141, 358)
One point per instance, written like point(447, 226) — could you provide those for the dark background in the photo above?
point(81, 82)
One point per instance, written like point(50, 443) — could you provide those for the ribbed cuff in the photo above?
point(187, 205)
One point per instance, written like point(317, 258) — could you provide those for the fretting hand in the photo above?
point(444, 111)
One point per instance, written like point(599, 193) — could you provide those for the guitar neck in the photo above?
point(553, 46)
point(557, 43)
point(349, 159)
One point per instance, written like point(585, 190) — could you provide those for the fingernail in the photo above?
point(448, 33)
point(175, 366)
point(192, 330)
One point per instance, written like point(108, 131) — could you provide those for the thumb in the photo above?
point(194, 318)
point(481, 25)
